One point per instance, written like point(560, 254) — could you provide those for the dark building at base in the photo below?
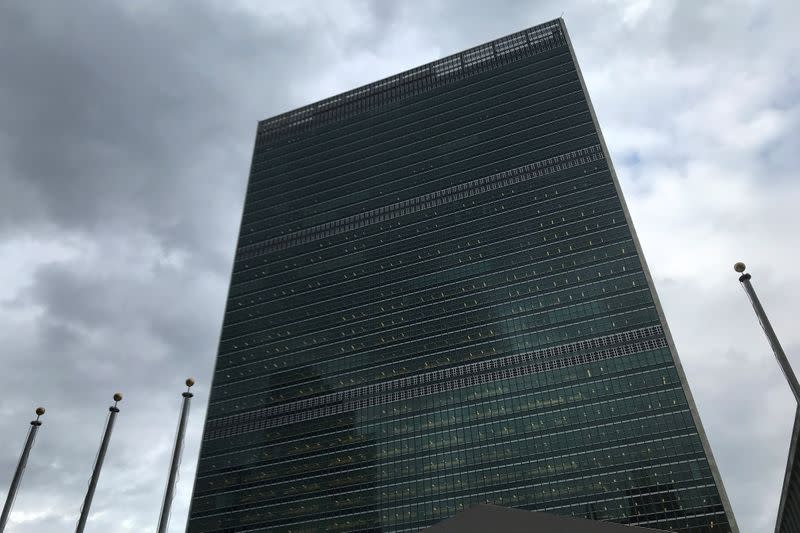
point(438, 300)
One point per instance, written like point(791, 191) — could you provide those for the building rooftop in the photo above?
point(506, 49)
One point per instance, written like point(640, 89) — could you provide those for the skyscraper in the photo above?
point(438, 300)
point(788, 519)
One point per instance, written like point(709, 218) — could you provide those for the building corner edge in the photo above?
point(659, 310)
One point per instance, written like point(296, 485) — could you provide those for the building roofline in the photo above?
point(492, 54)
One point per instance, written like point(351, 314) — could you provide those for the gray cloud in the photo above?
point(126, 132)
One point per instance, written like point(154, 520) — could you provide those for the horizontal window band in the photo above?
point(472, 229)
point(471, 167)
point(383, 416)
point(453, 384)
point(646, 315)
point(407, 429)
point(445, 169)
point(427, 201)
point(222, 380)
point(240, 459)
point(398, 277)
point(366, 519)
point(391, 473)
point(605, 204)
point(361, 397)
point(452, 124)
point(473, 350)
point(382, 172)
point(423, 112)
point(618, 472)
point(245, 328)
point(654, 518)
point(395, 475)
point(598, 210)
point(444, 450)
point(617, 233)
point(556, 350)
point(663, 437)
point(468, 345)
point(442, 478)
point(572, 307)
point(592, 192)
point(520, 214)
point(611, 263)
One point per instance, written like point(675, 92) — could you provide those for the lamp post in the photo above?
point(176, 459)
point(23, 461)
point(87, 502)
point(777, 349)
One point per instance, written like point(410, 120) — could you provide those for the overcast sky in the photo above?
point(126, 131)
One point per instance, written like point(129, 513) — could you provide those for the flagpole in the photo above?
point(87, 502)
point(23, 461)
point(176, 459)
point(777, 349)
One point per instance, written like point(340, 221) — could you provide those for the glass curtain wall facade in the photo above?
point(436, 301)
point(788, 519)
